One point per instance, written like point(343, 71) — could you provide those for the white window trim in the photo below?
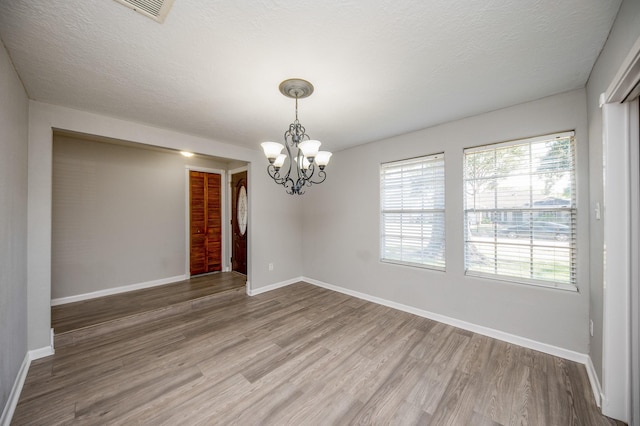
point(382, 211)
point(571, 287)
point(521, 141)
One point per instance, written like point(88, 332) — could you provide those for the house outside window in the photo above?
point(520, 211)
point(412, 212)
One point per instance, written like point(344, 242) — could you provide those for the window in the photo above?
point(520, 211)
point(412, 211)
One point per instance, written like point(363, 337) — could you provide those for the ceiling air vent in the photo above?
point(154, 9)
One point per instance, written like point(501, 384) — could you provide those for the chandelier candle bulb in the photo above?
point(322, 159)
point(303, 162)
point(272, 150)
point(279, 161)
point(310, 149)
point(306, 165)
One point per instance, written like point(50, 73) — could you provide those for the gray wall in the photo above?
point(341, 228)
point(119, 215)
point(625, 32)
point(14, 115)
point(274, 217)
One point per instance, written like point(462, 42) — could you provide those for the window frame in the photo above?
point(440, 157)
point(571, 213)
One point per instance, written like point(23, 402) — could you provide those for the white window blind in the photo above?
point(412, 212)
point(520, 211)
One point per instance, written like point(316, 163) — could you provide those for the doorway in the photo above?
point(239, 222)
point(205, 222)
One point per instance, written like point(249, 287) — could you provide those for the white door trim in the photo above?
point(618, 137)
point(625, 85)
point(616, 262)
point(634, 121)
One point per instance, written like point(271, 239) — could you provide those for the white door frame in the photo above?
point(635, 262)
point(618, 137)
point(223, 198)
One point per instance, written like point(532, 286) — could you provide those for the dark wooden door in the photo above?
point(205, 220)
point(239, 222)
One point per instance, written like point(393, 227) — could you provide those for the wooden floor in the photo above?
point(302, 355)
point(74, 316)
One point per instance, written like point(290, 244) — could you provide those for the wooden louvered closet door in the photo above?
point(205, 222)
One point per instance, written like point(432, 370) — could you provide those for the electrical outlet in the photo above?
point(591, 327)
point(271, 266)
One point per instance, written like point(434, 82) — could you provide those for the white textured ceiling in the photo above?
point(379, 67)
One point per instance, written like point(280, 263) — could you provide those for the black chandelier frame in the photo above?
point(296, 178)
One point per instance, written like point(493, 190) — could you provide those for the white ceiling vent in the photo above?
point(154, 9)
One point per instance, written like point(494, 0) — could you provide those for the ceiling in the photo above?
point(380, 68)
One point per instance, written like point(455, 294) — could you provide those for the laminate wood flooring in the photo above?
point(302, 355)
point(77, 315)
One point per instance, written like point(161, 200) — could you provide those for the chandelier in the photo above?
point(305, 163)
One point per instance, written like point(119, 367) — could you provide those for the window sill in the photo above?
point(530, 283)
point(414, 265)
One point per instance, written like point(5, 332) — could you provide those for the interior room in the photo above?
point(337, 213)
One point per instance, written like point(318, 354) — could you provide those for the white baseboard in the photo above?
point(117, 290)
point(570, 355)
point(41, 353)
point(14, 395)
point(578, 357)
point(595, 383)
point(485, 331)
point(256, 291)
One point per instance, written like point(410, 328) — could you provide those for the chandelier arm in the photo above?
point(303, 132)
point(284, 181)
point(292, 137)
point(275, 175)
point(299, 172)
point(309, 173)
point(305, 173)
point(288, 146)
point(301, 183)
point(315, 178)
point(289, 187)
point(289, 134)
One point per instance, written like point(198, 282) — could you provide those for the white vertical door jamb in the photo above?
point(620, 132)
point(634, 149)
point(617, 262)
point(187, 224)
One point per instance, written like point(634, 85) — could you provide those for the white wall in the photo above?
point(341, 228)
point(119, 215)
point(625, 31)
point(13, 225)
point(271, 212)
